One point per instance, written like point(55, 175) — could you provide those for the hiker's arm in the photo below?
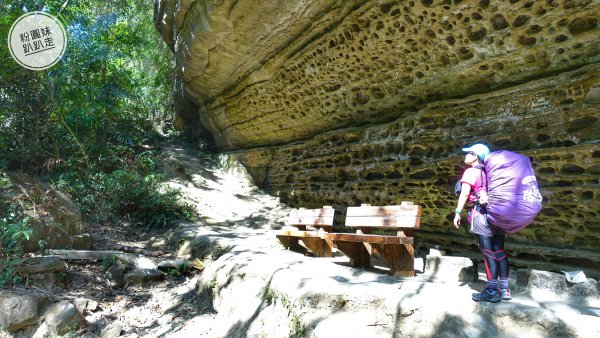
point(462, 200)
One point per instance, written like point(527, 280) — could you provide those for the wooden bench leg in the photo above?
point(356, 251)
point(291, 243)
point(399, 256)
point(318, 246)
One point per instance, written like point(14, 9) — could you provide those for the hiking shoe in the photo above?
point(487, 295)
point(505, 294)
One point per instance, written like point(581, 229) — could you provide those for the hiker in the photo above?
point(490, 238)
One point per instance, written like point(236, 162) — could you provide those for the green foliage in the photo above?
point(108, 261)
point(112, 87)
point(179, 271)
point(296, 325)
point(83, 124)
point(12, 232)
point(133, 192)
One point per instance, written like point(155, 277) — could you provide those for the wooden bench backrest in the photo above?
point(405, 215)
point(314, 217)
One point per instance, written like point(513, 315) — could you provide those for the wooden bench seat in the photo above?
point(296, 230)
point(396, 249)
point(366, 238)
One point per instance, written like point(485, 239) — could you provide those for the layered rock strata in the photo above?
point(348, 102)
point(416, 158)
point(271, 72)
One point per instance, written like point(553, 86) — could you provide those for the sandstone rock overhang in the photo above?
point(272, 72)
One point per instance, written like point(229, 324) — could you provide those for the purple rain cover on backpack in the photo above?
point(514, 196)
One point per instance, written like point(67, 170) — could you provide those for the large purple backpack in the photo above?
point(514, 197)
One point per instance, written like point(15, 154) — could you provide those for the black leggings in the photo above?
point(495, 258)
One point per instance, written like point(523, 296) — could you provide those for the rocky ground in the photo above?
point(248, 285)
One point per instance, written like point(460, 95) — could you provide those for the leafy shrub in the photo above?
point(134, 193)
point(12, 232)
point(82, 123)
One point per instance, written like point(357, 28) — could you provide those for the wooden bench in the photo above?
point(314, 240)
point(396, 249)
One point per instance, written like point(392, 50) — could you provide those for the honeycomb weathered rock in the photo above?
point(305, 67)
point(337, 102)
point(417, 158)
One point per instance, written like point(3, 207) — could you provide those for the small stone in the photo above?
point(83, 305)
point(112, 330)
point(534, 29)
point(143, 275)
point(561, 38)
point(63, 317)
point(465, 53)
point(572, 169)
point(362, 98)
point(137, 261)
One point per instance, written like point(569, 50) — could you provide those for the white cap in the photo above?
point(478, 149)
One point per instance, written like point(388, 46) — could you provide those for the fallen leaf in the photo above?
point(198, 264)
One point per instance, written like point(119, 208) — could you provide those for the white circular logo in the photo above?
point(37, 40)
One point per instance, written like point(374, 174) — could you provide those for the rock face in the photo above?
point(295, 69)
point(348, 102)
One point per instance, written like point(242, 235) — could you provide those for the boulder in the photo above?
point(17, 310)
point(53, 216)
point(550, 284)
point(449, 269)
point(63, 317)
